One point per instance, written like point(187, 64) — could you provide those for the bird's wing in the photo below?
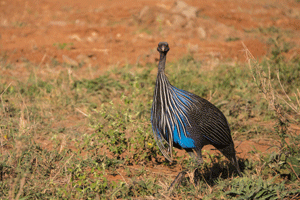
point(206, 119)
point(211, 123)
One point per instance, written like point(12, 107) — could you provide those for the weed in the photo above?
point(272, 30)
point(160, 24)
point(279, 47)
point(62, 46)
point(257, 188)
point(269, 30)
point(19, 24)
point(231, 39)
point(146, 30)
point(285, 162)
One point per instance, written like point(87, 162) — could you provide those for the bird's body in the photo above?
point(185, 120)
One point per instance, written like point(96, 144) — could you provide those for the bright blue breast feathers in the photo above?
point(169, 116)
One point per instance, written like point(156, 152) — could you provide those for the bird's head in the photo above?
point(163, 47)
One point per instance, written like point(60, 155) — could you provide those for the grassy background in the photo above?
point(90, 138)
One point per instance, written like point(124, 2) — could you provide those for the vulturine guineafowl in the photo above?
point(185, 120)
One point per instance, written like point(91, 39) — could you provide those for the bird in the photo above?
point(186, 121)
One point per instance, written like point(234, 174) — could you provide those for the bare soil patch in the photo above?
point(107, 33)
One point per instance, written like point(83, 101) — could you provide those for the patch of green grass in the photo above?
point(63, 137)
point(257, 188)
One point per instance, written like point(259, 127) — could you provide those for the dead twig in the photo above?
point(82, 112)
point(5, 89)
point(294, 171)
point(122, 177)
point(264, 84)
point(62, 166)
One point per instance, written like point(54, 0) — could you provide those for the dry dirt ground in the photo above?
point(103, 33)
point(107, 32)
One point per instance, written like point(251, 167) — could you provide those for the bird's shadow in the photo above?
point(218, 170)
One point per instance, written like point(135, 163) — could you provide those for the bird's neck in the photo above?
point(162, 62)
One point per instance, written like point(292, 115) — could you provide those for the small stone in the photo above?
point(193, 48)
point(69, 60)
point(103, 22)
point(201, 32)
point(75, 37)
point(179, 21)
point(144, 12)
point(83, 58)
point(180, 5)
point(190, 24)
point(190, 12)
point(58, 23)
point(184, 9)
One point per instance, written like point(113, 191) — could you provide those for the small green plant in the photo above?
point(257, 188)
point(279, 47)
point(19, 24)
point(62, 46)
point(160, 24)
point(231, 39)
point(269, 30)
point(146, 30)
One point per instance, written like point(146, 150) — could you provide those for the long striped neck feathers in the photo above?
point(163, 48)
point(162, 62)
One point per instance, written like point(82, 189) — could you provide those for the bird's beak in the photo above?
point(163, 48)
